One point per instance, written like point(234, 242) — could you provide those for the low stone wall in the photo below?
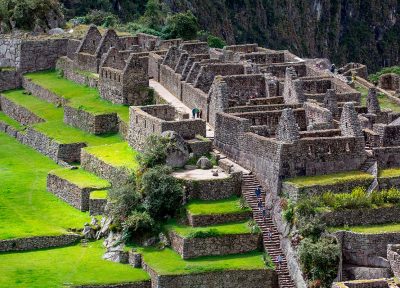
point(374, 283)
point(368, 250)
point(97, 206)
point(69, 192)
point(123, 128)
point(214, 189)
point(117, 176)
point(9, 80)
point(11, 131)
point(67, 66)
point(259, 278)
point(65, 152)
point(207, 220)
point(394, 258)
point(142, 284)
point(42, 93)
point(17, 112)
point(295, 193)
point(38, 242)
point(362, 216)
point(200, 148)
point(95, 124)
point(221, 245)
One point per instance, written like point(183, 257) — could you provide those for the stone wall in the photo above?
point(9, 80)
point(117, 176)
point(66, 65)
point(71, 193)
point(42, 93)
point(220, 279)
point(214, 219)
point(95, 124)
point(295, 193)
point(97, 206)
point(142, 284)
point(17, 112)
point(214, 189)
point(38, 242)
point(69, 153)
point(368, 250)
point(387, 157)
point(394, 258)
point(195, 98)
point(221, 245)
point(362, 216)
point(171, 80)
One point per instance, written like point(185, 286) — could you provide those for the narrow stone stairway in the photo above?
point(271, 245)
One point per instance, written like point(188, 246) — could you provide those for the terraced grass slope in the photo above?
point(54, 127)
point(79, 96)
point(81, 178)
point(64, 267)
point(168, 262)
point(26, 208)
point(384, 101)
point(224, 206)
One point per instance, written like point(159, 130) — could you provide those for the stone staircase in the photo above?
point(272, 245)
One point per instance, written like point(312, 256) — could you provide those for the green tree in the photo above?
point(181, 25)
point(215, 42)
point(154, 15)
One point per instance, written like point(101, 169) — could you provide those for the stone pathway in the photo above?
point(173, 101)
point(272, 245)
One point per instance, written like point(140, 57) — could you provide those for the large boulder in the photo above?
point(204, 163)
point(178, 153)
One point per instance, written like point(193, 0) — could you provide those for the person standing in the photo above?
point(258, 192)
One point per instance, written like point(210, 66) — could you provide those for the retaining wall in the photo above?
point(19, 113)
point(38, 242)
point(214, 219)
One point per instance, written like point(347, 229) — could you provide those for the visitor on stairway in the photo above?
point(279, 259)
point(269, 234)
point(259, 204)
point(264, 214)
point(258, 191)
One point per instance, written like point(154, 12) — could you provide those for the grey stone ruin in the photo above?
point(293, 92)
point(349, 122)
point(330, 102)
point(287, 130)
point(372, 102)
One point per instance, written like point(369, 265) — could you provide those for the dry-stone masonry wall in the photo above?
point(39, 242)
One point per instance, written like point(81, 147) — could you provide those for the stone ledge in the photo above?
point(141, 284)
point(42, 93)
point(38, 242)
point(94, 124)
point(97, 206)
point(69, 192)
point(49, 147)
point(67, 66)
point(18, 113)
point(117, 176)
point(214, 219)
point(257, 278)
point(211, 246)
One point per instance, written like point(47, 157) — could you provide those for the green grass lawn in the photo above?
point(168, 262)
point(370, 229)
point(99, 194)
point(61, 267)
point(389, 173)
point(329, 179)
point(384, 101)
point(4, 118)
point(79, 96)
point(26, 209)
point(224, 206)
point(81, 178)
point(54, 127)
point(117, 155)
point(220, 229)
point(41, 108)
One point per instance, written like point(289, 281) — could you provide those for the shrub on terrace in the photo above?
point(162, 193)
point(319, 259)
point(155, 152)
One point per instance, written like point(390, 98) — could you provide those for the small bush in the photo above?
point(122, 201)
point(204, 234)
point(289, 213)
point(254, 228)
point(311, 227)
point(139, 222)
point(215, 42)
point(320, 259)
point(162, 194)
point(155, 152)
point(101, 18)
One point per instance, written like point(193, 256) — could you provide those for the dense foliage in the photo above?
point(374, 78)
point(25, 14)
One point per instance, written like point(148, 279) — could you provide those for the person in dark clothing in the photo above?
point(258, 191)
point(194, 113)
point(333, 68)
point(264, 213)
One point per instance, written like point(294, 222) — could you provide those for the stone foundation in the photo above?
point(17, 112)
point(65, 152)
point(9, 80)
point(97, 206)
point(207, 220)
point(38, 242)
point(117, 176)
point(42, 93)
point(221, 245)
point(143, 284)
point(220, 279)
point(95, 124)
